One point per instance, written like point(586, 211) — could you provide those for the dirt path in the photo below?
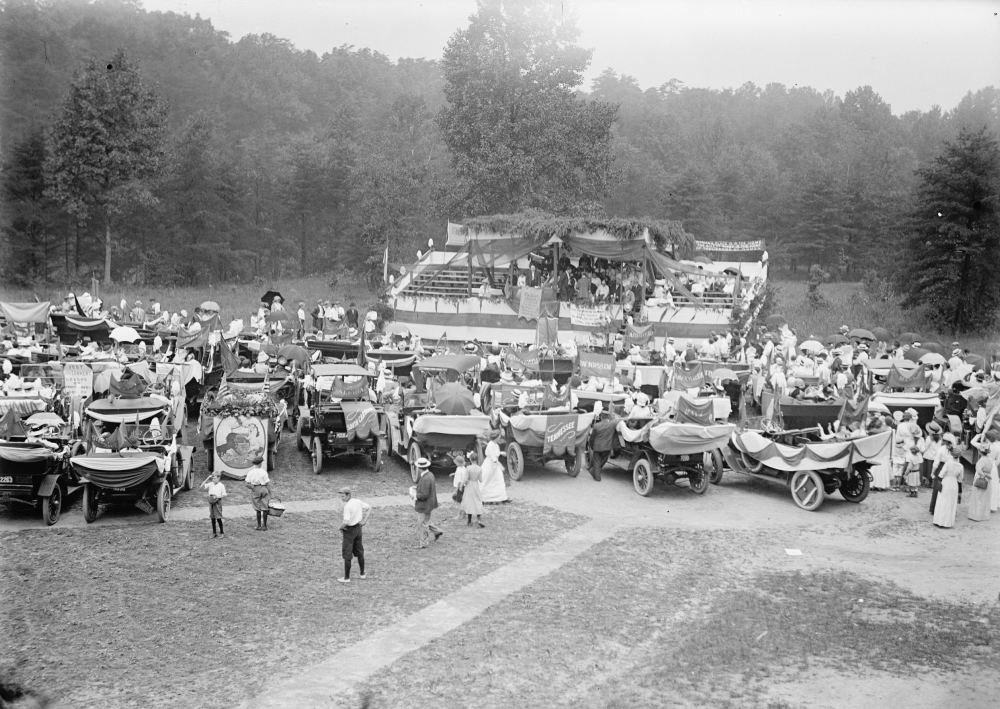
point(332, 682)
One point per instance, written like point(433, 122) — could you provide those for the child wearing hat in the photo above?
point(914, 462)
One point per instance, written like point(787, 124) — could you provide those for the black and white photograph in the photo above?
point(479, 354)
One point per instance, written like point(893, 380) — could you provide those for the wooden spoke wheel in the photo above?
point(299, 443)
point(857, 487)
point(412, 456)
point(52, 505)
point(698, 479)
point(807, 490)
point(317, 455)
point(712, 463)
point(515, 460)
point(163, 500)
point(89, 502)
point(574, 462)
point(752, 465)
point(642, 476)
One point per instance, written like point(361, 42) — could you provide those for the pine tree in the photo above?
point(107, 145)
point(955, 235)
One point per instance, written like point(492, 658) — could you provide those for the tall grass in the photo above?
point(850, 305)
point(234, 300)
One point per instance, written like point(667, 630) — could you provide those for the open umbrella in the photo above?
point(702, 258)
point(774, 320)
point(914, 354)
point(725, 375)
point(277, 315)
point(932, 358)
point(908, 338)
point(124, 334)
point(881, 334)
point(454, 400)
point(209, 306)
point(395, 328)
point(977, 361)
point(836, 339)
point(861, 334)
point(294, 352)
point(270, 296)
point(811, 346)
point(957, 374)
point(934, 347)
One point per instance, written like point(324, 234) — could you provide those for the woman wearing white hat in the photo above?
point(492, 488)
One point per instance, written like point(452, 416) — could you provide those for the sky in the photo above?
point(914, 53)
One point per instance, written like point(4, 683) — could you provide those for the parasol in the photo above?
point(932, 358)
point(881, 334)
point(836, 339)
point(811, 346)
point(395, 328)
point(775, 320)
point(933, 347)
point(270, 296)
point(977, 361)
point(908, 338)
point(124, 334)
point(454, 400)
point(294, 352)
point(861, 334)
point(914, 354)
point(276, 315)
point(209, 306)
point(725, 375)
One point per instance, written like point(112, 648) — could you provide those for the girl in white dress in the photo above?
point(947, 501)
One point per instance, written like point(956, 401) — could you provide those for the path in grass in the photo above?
point(332, 682)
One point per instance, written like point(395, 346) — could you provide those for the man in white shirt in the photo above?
point(356, 514)
point(669, 353)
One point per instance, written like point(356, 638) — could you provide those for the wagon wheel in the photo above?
point(188, 474)
point(377, 454)
point(52, 505)
point(515, 460)
point(754, 466)
point(857, 486)
point(163, 501)
point(597, 461)
point(574, 463)
point(89, 503)
point(712, 462)
point(698, 477)
point(299, 443)
point(642, 477)
point(412, 456)
point(807, 490)
point(317, 455)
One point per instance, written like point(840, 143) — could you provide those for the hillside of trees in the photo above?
point(277, 161)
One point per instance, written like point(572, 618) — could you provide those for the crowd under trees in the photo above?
point(150, 147)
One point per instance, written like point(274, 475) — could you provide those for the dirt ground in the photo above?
point(604, 630)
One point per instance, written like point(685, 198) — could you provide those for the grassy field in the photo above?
point(661, 618)
point(165, 616)
point(849, 305)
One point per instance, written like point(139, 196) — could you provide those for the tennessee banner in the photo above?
point(560, 433)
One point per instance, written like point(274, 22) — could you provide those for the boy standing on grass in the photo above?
point(356, 515)
point(216, 491)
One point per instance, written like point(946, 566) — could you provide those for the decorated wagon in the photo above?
point(132, 458)
point(238, 426)
point(544, 436)
point(811, 468)
point(341, 417)
point(34, 462)
point(669, 450)
point(439, 437)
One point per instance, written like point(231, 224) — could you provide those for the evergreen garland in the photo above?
point(257, 405)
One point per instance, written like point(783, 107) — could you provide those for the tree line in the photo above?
point(260, 160)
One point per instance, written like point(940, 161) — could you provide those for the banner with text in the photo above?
point(587, 315)
point(531, 303)
point(597, 365)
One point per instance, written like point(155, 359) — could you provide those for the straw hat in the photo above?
point(423, 463)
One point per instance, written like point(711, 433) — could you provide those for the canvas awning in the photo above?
point(25, 312)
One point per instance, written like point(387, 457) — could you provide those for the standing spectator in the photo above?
point(216, 491)
point(276, 304)
point(914, 461)
point(331, 314)
point(979, 500)
point(356, 514)
point(491, 486)
point(260, 491)
point(352, 316)
point(426, 502)
point(472, 499)
point(947, 502)
point(317, 316)
point(583, 288)
point(534, 280)
point(930, 446)
point(138, 315)
point(302, 318)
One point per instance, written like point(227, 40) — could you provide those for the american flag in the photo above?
point(223, 387)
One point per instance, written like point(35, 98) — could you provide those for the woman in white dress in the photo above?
point(492, 488)
point(947, 501)
point(995, 479)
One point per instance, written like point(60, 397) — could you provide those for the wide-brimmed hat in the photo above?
point(934, 427)
point(470, 347)
point(507, 376)
point(344, 491)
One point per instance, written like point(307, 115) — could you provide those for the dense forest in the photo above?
point(267, 161)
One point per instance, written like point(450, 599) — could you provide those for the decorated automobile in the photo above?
point(341, 416)
point(238, 426)
point(544, 436)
